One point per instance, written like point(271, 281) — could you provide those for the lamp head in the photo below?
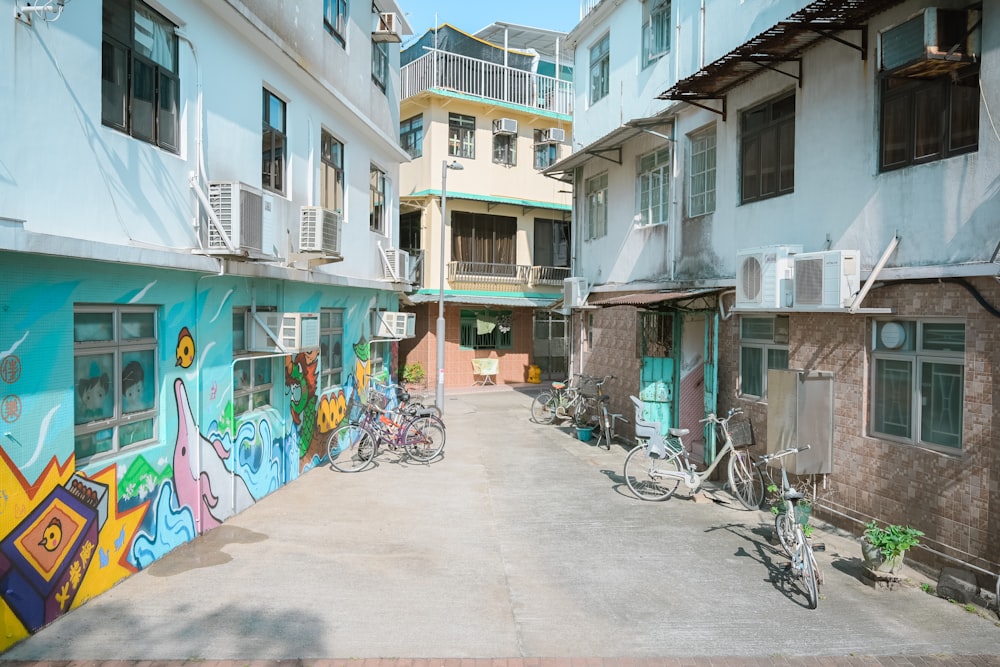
point(456, 165)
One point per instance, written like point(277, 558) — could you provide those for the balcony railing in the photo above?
point(440, 69)
point(548, 275)
point(506, 274)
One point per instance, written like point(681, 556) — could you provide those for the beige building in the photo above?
point(481, 122)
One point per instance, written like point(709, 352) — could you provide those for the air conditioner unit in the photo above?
point(764, 276)
point(554, 135)
point(574, 293)
point(319, 230)
point(505, 126)
point(282, 332)
point(387, 29)
point(397, 265)
point(239, 208)
point(934, 42)
point(387, 324)
point(826, 279)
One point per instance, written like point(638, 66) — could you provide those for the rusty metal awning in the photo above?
point(782, 43)
point(646, 298)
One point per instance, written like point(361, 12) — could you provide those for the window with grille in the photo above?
point(701, 173)
point(486, 330)
point(653, 183)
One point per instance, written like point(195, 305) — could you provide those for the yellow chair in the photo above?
point(486, 369)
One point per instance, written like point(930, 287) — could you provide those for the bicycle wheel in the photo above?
point(745, 481)
point(784, 530)
point(808, 569)
point(351, 448)
point(604, 423)
point(644, 474)
point(423, 438)
point(543, 408)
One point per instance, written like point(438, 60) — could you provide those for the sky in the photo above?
point(472, 15)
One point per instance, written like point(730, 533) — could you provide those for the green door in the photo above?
point(711, 379)
point(657, 376)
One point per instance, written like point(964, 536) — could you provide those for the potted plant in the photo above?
point(414, 374)
point(883, 548)
point(803, 508)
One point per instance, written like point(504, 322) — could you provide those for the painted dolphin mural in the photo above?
point(203, 482)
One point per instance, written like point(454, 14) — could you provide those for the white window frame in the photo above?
point(656, 30)
point(702, 164)
point(600, 68)
point(255, 393)
point(653, 187)
point(914, 347)
point(110, 355)
point(331, 335)
point(596, 194)
point(775, 342)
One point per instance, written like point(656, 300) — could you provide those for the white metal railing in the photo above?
point(587, 6)
point(548, 275)
point(440, 69)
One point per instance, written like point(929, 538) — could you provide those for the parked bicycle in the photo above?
point(654, 470)
point(607, 422)
point(790, 531)
point(577, 400)
point(416, 433)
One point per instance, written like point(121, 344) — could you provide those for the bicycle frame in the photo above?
point(692, 478)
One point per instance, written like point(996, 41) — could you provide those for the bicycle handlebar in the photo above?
point(782, 453)
point(715, 419)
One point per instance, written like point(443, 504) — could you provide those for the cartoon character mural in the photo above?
point(300, 381)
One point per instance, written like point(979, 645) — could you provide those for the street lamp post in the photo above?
point(439, 396)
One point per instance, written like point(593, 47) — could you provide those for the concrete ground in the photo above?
point(521, 545)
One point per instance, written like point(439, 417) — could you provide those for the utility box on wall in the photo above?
point(800, 412)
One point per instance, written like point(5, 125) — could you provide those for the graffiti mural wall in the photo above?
point(133, 417)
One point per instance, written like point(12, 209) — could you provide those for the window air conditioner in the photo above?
point(554, 135)
point(239, 208)
point(505, 126)
point(387, 29)
point(934, 42)
point(764, 276)
point(397, 265)
point(387, 324)
point(826, 279)
point(282, 332)
point(574, 293)
point(319, 230)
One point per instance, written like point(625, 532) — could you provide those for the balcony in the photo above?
point(470, 76)
point(486, 273)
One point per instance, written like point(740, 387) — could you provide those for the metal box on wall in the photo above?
point(800, 412)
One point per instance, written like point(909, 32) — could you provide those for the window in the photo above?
point(377, 211)
point(596, 192)
point(331, 173)
point(461, 136)
point(918, 375)
point(654, 187)
point(546, 152)
point(767, 150)
point(701, 173)
point(600, 69)
point(551, 242)
point(114, 378)
point(252, 378)
point(505, 149)
point(924, 120)
point(273, 133)
point(411, 136)
point(331, 347)
point(380, 63)
point(655, 30)
point(486, 330)
point(479, 238)
point(763, 346)
point(335, 19)
point(140, 89)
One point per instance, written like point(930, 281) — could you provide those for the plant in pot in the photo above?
point(803, 508)
point(882, 549)
point(414, 374)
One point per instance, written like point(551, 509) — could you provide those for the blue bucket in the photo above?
point(584, 433)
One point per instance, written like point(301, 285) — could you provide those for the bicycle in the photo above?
point(790, 530)
point(564, 400)
point(653, 471)
point(606, 420)
point(419, 434)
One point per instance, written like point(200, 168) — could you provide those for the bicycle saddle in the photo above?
point(558, 385)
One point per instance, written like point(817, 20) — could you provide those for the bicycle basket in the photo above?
point(588, 387)
point(377, 400)
point(741, 433)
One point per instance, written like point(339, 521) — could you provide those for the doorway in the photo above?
point(550, 350)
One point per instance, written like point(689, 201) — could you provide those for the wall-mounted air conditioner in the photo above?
point(934, 42)
point(505, 126)
point(394, 325)
point(574, 293)
point(282, 332)
point(764, 276)
point(239, 208)
point(554, 135)
point(396, 266)
point(827, 279)
point(387, 29)
point(319, 230)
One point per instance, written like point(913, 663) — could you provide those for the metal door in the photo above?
point(657, 376)
point(550, 351)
